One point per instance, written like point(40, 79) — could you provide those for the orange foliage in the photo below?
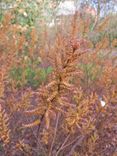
point(65, 115)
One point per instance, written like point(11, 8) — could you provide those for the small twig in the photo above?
point(38, 143)
point(61, 147)
point(41, 120)
point(80, 138)
point(55, 132)
point(75, 145)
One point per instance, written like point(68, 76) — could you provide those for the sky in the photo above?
point(67, 7)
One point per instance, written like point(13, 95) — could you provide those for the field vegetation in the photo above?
point(58, 85)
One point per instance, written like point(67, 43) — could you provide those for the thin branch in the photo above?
point(37, 141)
point(79, 138)
point(97, 16)
point(61, 147)
point(55, 132)
point(74, 146)
point(41, 120)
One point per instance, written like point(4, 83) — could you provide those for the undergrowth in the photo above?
point(51, 94)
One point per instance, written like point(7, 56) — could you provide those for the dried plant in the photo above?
point(73, 109)
point(4, 127)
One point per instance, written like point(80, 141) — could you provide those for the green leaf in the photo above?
point(1, 17)
point(49, 70)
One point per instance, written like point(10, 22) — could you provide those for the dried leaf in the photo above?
point(35, 123)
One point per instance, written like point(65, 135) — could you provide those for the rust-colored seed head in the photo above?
point(75, 44)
